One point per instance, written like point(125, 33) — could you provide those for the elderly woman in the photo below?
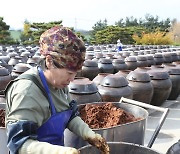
point(38, 105)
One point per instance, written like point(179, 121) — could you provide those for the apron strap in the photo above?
point(43, 79)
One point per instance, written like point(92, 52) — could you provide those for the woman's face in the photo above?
point(58, 77)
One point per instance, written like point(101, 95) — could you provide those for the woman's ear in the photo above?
point(49, 62)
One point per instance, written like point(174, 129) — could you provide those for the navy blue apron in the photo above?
point(52, 131)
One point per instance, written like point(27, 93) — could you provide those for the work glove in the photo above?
point(68, 150)
point(98, 141)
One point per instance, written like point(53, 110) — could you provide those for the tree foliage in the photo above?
point(33, 31)
point(150, 22)
point(98, 26)
point(5, 37)
point(153, 38)
point(112, 33)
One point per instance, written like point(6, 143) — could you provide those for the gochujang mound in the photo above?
point(105, 115)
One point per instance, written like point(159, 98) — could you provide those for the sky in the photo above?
point(83, 14)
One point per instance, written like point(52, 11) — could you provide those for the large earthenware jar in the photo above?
point(7, 66)
point(113, 87)
point(97, 80)
point(18, 69)
point(174, 56)
point(158, 58)
point(82, 90)
point(142, 61)
point(90, 69)
point(150, 60)
point(140, 82)
point(131, 62)
point(119, 64)
point(167, 57)
point(162, 86)
point(174, 73)
point(5, 58)
point(105, 65)
point(5, 78)
point(15, 60)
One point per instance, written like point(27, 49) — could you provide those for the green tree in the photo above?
point(112, 33)
point(33, 31)
point(80, 35)
point(150, 22)
point(98, 26)
point(5, 37)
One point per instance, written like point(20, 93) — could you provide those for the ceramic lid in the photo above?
point(118, 61)
point(82, 86)
point(141, 58)
point(105, 61)
point(138, 76)
point(114, 81)
point(130, 59)
point(173, 71)
point(158, 75)
point(158, 55)
point(90, 63)
point(21, 67)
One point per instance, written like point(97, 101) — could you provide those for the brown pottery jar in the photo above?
point(162, 86)
point(97, 80)
point(119, 64)
point(5, 78)
point(140, 82)
point(105, 65)
point(82, 90)
point(174, 73)
point(18, 69)
point(89, 69)
point(131, 62)
point(113, 87)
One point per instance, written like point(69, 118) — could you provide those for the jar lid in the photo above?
point(105, 61)
point(114, 81)
point(158, 75)
point(90, 63)
point(21, 67)
point(173, 71)
point(118, 61)
point(131, 59)
point(82, 86)
point(141, 58)
point(158, 55)
point(138, 76)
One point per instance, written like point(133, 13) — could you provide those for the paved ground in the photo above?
point(170, 131)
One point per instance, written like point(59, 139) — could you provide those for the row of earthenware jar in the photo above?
point(152, 85)
point(122, 74)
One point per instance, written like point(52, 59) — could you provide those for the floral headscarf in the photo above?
point(64, 46)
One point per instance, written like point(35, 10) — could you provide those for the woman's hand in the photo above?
point(98, 141)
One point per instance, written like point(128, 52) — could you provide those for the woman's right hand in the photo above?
point(69, 150)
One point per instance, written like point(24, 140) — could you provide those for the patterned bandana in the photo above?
point(64, 46)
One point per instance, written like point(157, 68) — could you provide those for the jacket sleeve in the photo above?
point(80, 128)
point(18, 133)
